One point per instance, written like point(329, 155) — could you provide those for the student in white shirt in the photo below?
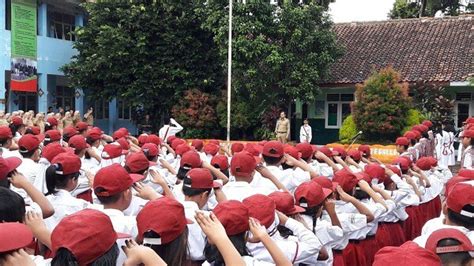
point(62, 178)
point(467, 160)
point(170, 128)
point(29, 147)
point(6, 140)
point(305, 132)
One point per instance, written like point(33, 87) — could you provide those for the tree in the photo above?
point(428, 8)
point(147, 52)
point(279, 52)
point(433, 102)
point(381, 105)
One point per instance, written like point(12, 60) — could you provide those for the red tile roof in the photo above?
point(429, 49)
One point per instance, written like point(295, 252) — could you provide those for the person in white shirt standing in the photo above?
point(29, 147)
point(305, 132)
point(467, 160)
point(170, 128)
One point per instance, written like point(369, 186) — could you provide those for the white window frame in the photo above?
point(339, 111)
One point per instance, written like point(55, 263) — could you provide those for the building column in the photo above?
point(43, 19)
point(43, 87)
point(112, 115)
point(2, 90)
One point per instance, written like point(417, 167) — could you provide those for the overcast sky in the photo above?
point(360, 10)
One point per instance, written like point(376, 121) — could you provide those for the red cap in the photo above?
point(5, 132)
point(424, 163)
point(7, 165)
point(305, 149)
point(14, 236)
point(365, 149)
point(153, 139)
point(409, 135)
point(252, 149)
point(423, 128)
point(211, 149)
point(221, 161)
point(87, 242)
point(339, 151)
point(81, 126)
point(273, 149)
point(69, 163)
point(52, 135)
point(394, 169)
point(313, 193)
point(177, 142)
point(293, 152)
point(123, 143)
point(470, 120)
point(52, 121)
point(427, 123)
point(142, 139)
point(326, 151)
point(262, 208)
point(51, 150)
point(191, 159)
point(468, 134)
point(69, 131)
point(137, 162)
point(95, 133)
point(460, 195)
point(120, 133)
point(214, 141)
point(237, 147)
point(233, 215)
point(355, 154)
point(29, 143)
point(325, 182)
point(433, 240)
point(375, 171)
point(417, 134)
point(113, 179)
point(403, 161)
point(182, 149)
point(170, 225)
point(35, 130)
point(198, 144)
point(170, 139)
point(200, 178)
point(407, 254)
point(402, 141)
point(453, 181)
point(346, 180)
point(150, 149)
point(17, 121)
point(78, 142)
point(112, 151)
point(364, 176)
point(466, 173)
point(242, 164)
point(285, 203)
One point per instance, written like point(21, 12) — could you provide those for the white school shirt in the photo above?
point(5, 153)
point(239, 190)
point(249, 261)
point(170, 130)
point(64, 204)
point(467, 158)
point(434, 190)
point(196, 238)
point(122, 223)
point(30, 169)
point(432, 225)
point(445, 149)
point(294, 177)
point(376, 209)
point(304, 250)
point(136, 206)
point(305, 134)
point(322, 169)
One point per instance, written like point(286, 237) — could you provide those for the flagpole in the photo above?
point(229, 71)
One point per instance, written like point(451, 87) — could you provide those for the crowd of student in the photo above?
point(76, 196)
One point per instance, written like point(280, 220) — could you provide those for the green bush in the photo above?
point(347, 130)
point(382, 104)
point(414, 117)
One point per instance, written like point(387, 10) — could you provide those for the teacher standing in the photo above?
point(282, 128)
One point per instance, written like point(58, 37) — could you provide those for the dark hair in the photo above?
point(167, 120)
point(462, 220)
point(12, 206)
point(54, 180)
point(187, 191)
point(453, 258)
point(109, 199)
point(141, 172)
point(47, 127)
point(405, 147)
point(360, 194)
point(213, 255)
point(27, 154)
point(271, 160)
point(15, 128)
point(182, 172)
point(149, 157)
point(29, 131)
point(311, 211)
point(425, 134)
point(65, 257)
point(286, 166)
point(3, 141)
point(173, 253)
point(413, 142)
point(66, 138)
point(448, 127)
point(284, 232)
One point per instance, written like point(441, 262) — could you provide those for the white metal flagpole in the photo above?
point(229, 71)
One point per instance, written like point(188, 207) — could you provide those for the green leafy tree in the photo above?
point(381, 105)
point(279, 52)
point(404, 9)
point(428, 8)
point(433, 102)
point(147, 52)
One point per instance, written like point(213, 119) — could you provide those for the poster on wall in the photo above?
point(24, 64)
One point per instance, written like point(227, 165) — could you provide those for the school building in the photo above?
point(435, 50)
point(55, 22)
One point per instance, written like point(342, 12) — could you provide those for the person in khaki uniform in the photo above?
point(282, 128)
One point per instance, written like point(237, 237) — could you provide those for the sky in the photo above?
point(360, 10)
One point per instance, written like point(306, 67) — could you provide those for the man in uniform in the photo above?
point(282, 128)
